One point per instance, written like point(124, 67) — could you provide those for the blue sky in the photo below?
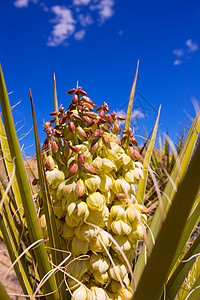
point(98, 43)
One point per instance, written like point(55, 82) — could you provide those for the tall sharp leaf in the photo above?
point(150, 287)
point(169, 191)
point(193, 219)
point(3, 293)
point(195, 291)
point(9, 163)
point(182, 270)
point(143, 181)
point(11, 244)
point(28, 204)
point(55, 99)
point(130, 103)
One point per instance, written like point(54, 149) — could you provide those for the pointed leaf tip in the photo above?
point(131, 97)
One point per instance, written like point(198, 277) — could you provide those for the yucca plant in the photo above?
point(78, 238)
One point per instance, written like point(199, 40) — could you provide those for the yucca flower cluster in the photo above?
point(92, 175)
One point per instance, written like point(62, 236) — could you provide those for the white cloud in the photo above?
point(80, 13)
point(23, 3)
point(81, 2)
point(178, 52)
point(183, 53)
point(44, 6)
point(137, 114)
point(64, 27)
point(79, 35)
point(192, 47)
point(178, 62)
point(105, 9)
point(85, 20)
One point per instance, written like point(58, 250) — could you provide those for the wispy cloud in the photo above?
point(184, 53)
point(177, 62)
point(64, 25)
point(23, 3)
point(104, 8)
point(81, 2)
point(85, 20)
point(79, 35)
point(178, 52)
point(44, 6)
point(192, 47)
point(72, 19)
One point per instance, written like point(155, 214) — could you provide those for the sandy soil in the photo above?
point(10, 283)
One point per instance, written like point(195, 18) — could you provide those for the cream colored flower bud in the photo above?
point(58, 209)
point(138, 171)
point(66, 190)
point(120, 186)
point(97, 294)
point(92, 182)
point(111, 153)
point(132, 190)
point(71, 222)
point(123, 244)
point(96, 201)
point(106, 183)
point(130, 176)
point(137, 234)
point(130, 213)
point(102, 278)
point(86, 232)
point(42, 220)
point(71, 208)
point(100, 263)
point(103, 164)
point(79, 247)
point(82, 209)
point(125, 159)
point(118, 271)
point(43, 226)
point(99, 218)
point(76, 213)
point(67, 232)
point(80, 293)
point(77, 268)
point(126, 293)
point(120, 227)
point(96, 243)
point(114, 287)
point(126, 280)
point(144, 218)
point(54, 178)
point(117, 212)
